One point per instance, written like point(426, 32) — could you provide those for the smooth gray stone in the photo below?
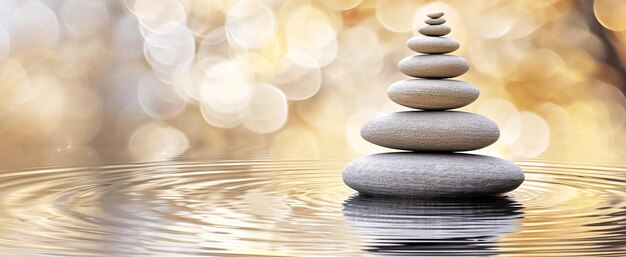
point(434, 30)
point(432, 175)
point(435, 15)
point(433, 66)
point(437, 21)
point(445, 131)
point(432, 94)
point(432, 45)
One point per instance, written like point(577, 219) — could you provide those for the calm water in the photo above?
point(212, 207)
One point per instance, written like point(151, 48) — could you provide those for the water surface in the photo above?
point(212, 206)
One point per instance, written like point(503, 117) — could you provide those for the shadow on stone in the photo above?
point(409, 227)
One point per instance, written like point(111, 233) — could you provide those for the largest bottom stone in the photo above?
point(413, 174)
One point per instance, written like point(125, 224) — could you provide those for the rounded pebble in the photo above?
point(435, 15)
point(433, 66)
point(437, 21)
point(431, 131)
point(432, 175)
point(432, 45)
point(434, 30)
point(432, 94)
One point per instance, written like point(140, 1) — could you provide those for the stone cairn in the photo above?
point(432, 134)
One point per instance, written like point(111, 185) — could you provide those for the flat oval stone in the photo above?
point(432, 45)
point(432, 94)
point(432, 175)
point(431, 131)
point(437, 21)
point(435, 15)
point(434, 30)
point(433, 66)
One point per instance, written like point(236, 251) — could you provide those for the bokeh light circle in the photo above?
point(160, 16)
point(297, 82)
point(84, 18)
point(5, 43)
point(157, 141)
point(15, 87)
point(610, 13)
point(34, 25)
point(311, 40)
point(534, 137)
point(158, 99)
point(397, 15)
point(267, 110)
point(250, 23)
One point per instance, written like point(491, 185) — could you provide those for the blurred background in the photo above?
point(296, 79)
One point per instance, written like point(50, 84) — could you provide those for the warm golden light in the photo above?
point(300, 77)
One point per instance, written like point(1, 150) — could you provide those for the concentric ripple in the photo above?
point(199, 206)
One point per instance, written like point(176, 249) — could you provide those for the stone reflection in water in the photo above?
point(402, 226)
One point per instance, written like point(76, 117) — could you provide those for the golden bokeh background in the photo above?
point(298, 78)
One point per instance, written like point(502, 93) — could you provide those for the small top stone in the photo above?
point(435, 15)
point(437, 21)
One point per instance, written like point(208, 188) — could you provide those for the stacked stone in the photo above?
point(432, 133)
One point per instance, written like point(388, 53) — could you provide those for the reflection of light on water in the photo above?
point(204, 205)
